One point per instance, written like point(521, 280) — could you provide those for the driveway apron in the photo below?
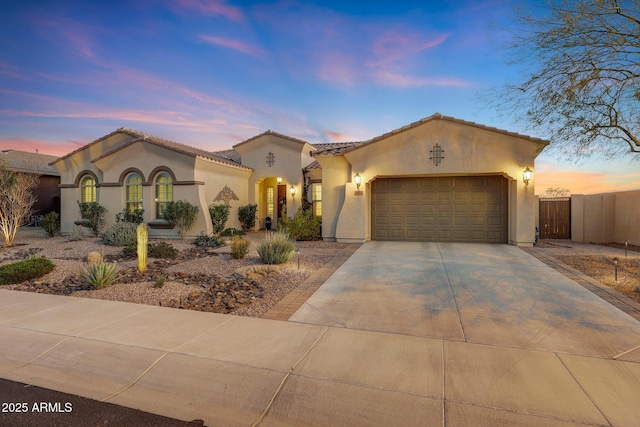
point(480, 293)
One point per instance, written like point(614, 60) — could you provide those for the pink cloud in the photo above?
point(235, 45)
point(213, 8)
point(43, 146)
point(389, 78)
point(338, 137)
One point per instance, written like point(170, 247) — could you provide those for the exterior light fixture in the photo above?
point(358, 180)
point(292, 190)
point(279, 180)
point(526, 175)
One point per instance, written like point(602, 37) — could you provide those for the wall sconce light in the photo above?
point(279, 180)
point(292, 190)
point(358, 180)
point(526, 175)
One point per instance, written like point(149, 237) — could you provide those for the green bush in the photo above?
point(161, 250)
point(135, 217)
point(232, 232)
point(239, 247)
point(20, 271)
point(93, 214)
point(120, 234)
point(219, 216)
point(208, 241)
point(303, 225)
point(50, 223)
point(159, 283)
point(100, 274)
point(276, 248)
point(247, 216)
point(181, 215)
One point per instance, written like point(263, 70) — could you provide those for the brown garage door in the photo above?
point(443, 209)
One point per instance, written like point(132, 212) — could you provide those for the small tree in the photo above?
point(303, 225)
point(16, 201)
point(577, 75)
point(181, 215)
point(219, 216)
point(93, 215)
point(247, 216)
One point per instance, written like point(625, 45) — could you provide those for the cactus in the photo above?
point(143, 238)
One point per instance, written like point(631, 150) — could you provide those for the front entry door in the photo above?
point(282, 198)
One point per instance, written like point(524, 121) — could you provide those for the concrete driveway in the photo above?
point(480, 293)
point(401, 334)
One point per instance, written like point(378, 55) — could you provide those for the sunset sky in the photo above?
point(211, 73)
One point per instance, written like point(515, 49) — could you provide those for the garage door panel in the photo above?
point(456, 209)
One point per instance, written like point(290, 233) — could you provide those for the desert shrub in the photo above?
point(232, 232)
point(120, 234)
point(276, 248)
point(159, 283)
point(247, 216)
point(100, 274)
point(20, 271)
point(76, 233)
point(93, 214)
point(50, 223)
point(303, 225)
point(209, 241)
point(181, 215)
point(161, 250)
point(131, 250)
point(219, 216)
point(135, 217)
point(239, 247)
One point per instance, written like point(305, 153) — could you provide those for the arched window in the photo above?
point(133, 186)
point(88, 189)
point(164, 193)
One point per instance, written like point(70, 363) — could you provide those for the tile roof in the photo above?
point(437, 116)
point(26, 161)
point(270, 132)
point(231, 154)
point(161, 142)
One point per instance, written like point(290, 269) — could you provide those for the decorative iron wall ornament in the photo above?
point(271, 159)
point(436, 154)
point(226, 195)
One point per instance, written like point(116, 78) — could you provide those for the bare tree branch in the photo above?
point(580, 84)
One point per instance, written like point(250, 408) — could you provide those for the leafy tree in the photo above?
point(181, 215)
point(219, 216)
point(247, 216)
point(578, 68)
point(93, 215)
point(16, 201)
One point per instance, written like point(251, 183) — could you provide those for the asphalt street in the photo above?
point(25, 405)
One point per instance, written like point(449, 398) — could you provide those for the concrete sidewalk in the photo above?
point(570, 361)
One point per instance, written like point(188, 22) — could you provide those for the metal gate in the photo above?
point(555, 218)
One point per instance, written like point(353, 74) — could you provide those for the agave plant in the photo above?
point(100, 274)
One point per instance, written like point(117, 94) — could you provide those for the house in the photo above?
point(47, 192)
point(438, 179)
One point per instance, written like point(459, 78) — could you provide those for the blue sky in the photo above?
point(211, 73)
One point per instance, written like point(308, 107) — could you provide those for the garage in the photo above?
point(440, 209)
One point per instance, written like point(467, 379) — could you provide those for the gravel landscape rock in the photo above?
point(199, 278)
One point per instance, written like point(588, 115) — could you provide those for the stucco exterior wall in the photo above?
point(468, 150)
point(604, 218)
point(195, 180)
point(215, 177)
point(290, 157)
